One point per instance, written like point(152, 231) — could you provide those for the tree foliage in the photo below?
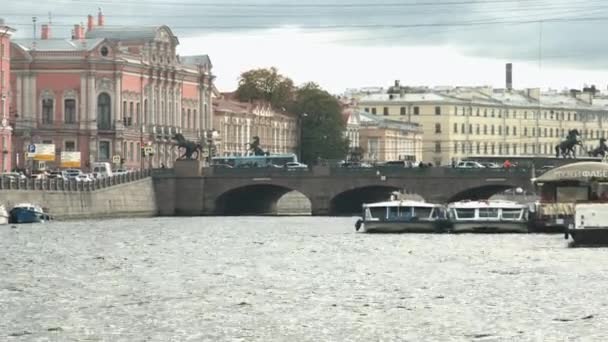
point(322, 124)
point(266, 85)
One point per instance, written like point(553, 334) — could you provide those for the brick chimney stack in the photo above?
point(45, 32)
point(90, 23)
point(78, 32)
point(100, 18)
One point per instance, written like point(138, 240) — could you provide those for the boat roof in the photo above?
point(486, 204)
point(582, 172)
point(406, 203)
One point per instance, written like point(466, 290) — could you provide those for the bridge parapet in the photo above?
point(71, 185)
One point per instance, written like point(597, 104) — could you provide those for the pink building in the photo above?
point(108, 92)
point(5, 97)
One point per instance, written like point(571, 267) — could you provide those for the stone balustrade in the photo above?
point(71, 185)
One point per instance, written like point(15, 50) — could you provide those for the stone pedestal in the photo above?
point(188, 168)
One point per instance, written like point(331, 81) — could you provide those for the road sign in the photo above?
point(31, 148)
point(70, 159)
point(116, 159)
point(148, 150)
point(44, 152)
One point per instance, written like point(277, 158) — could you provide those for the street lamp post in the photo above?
point(300, 124)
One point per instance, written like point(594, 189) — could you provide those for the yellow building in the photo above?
point(462, 122)
point(384, 139)
point(238, 122)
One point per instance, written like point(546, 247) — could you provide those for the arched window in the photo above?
point(104, 111)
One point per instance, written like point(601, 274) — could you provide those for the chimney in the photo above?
point(396, 83)
point(78, 32)
point(90, 23)
point(100, 18)
point(46, 32)
point(509, 76)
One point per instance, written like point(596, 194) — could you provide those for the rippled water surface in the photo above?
point(292, 279)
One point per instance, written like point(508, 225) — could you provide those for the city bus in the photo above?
point(272, 160)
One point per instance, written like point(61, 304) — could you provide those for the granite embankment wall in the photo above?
point(130, 199)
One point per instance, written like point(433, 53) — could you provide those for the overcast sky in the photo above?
point(354, 43)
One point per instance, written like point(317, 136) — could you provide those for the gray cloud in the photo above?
point(495, 28)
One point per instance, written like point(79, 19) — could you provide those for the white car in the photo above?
point(469, 165)
point(296, 166)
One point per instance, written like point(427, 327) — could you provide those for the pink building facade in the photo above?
point(108, 92)
point(5, 96)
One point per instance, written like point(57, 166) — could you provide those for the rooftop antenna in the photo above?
point(34, 22)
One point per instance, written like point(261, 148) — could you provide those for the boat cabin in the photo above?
point(487, 211)
point(402, 211)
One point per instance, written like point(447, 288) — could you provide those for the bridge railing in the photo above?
point(257, 172)
point(56, 184)
point(430, 171)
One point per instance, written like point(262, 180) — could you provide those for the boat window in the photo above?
point(422, 212)
point(378, 212)
point(488, 212)
point(511, 214)
point(572, 194)
point(465, 213)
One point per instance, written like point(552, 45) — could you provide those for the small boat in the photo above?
point(3, 215)
point(398, 215)
point(488, 216)
point(28, 213)
point(590, 224)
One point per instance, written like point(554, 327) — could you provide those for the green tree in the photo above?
point(267, 85)
point(322, 124)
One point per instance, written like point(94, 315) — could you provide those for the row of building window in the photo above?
point(500, 148)
point(547, 115)
point(543, 132)
point(131, 112)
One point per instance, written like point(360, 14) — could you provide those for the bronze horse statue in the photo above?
point(566, 147)
point(601, 150)
point(255, 147)
point(189, 146)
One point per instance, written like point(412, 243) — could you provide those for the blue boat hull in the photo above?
point(21, 215)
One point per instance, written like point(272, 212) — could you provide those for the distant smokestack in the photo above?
point(509, 76)
point(396, 83)
point(90, 23)
point(78, 32)
point(45, 32)
point(100, 18)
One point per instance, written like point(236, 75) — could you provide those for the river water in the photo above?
point(293, 279)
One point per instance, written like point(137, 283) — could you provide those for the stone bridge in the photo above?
point(190, 190)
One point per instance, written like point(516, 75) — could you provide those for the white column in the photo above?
point(91, 101)
point(82, 103)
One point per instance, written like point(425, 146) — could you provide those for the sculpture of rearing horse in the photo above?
point(601, 150)
point(189, 146)
point(566, 147)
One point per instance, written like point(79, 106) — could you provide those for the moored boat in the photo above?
point(3, 215)
point(494, 216)
point(397, 215)
point(590, 224)
point(580, 192)
point(28, 213)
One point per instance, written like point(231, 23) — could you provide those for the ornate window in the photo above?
point(69, 111)
point(104, 113)
point(47, 110)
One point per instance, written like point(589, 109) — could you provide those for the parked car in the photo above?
point(296, 166)
point(469, 165)
point(57, 175)
point(12, 175)
point(71, 174)
point(491, 165)
point(83, 177)
point(119, 172)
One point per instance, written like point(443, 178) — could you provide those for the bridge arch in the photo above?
point(480, 192)
point(254, 199)
point(349, 202)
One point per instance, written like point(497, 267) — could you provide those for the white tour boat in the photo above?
point(488, 216)
point(402, 216)
point(3, 215)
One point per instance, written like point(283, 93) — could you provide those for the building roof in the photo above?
point(57, 44)
point(196, 60)
point(127, 32)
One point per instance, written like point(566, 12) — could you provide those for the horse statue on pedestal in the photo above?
point(601, 150)
point(255, 147)
point(566, 147)
point(189, 146)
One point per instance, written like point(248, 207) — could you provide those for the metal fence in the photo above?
point(70, 185)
